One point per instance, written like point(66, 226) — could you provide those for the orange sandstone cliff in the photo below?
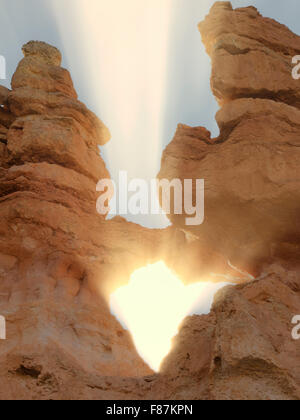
point(251, 171)
point(244, 348)
point(55, 250)
point(59, 259)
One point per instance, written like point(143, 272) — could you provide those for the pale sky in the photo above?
point(139, 64)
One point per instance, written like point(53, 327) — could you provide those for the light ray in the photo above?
point(123, 49)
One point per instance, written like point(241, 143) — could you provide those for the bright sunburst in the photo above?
point(153, 305)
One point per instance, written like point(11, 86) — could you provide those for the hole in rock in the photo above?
point(153, 305)
point(25, 371)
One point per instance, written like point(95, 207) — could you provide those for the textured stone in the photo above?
point(6, 117)
point(39, 75)
point(54, 140)
point(42, 52)
point(27, 101)
point(4, 92)
point(243, 350)
point(251, 170)
point(54, 247)
point(251, 55)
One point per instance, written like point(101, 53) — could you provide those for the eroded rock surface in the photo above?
point(55, 249)
point(244, 349)
point(251, 170)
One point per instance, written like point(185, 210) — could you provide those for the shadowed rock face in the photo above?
point(251, 170)
point(59, 259)
point(243, 349)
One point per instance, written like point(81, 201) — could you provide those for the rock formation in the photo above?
point(58, 256)
point(59, 259)
point(243, 349)
point(251, 170)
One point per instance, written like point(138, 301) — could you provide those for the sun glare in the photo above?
point(122, 50)
point(153, 305)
